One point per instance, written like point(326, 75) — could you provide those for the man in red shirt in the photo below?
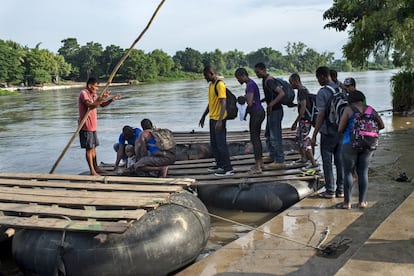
point(89, 99)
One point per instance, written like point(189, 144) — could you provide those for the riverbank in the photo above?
point(372, 242)
point(68, 85)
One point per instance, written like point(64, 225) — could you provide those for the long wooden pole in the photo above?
point(121, 61)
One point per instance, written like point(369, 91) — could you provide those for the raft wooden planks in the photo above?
point(90, 186)
point(81, 203)
point(54, 210)
point(61, 224)
point(232, 136)
point(100, 179)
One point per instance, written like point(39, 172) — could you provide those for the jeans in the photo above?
point(331, 146)
point(255, 126)
point(218, 141)
point(116, 148)
point(361, 161)
point(273, 135)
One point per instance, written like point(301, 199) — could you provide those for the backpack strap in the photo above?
point(355, 109)
point(368, 110)
point(215, 86)
point(273, 93)
point(333, 90)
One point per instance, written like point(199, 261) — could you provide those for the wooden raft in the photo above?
point(201, 137)
point(241, 165)
point(101, 204)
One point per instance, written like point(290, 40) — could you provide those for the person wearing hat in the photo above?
point(352, 158)
point(349, 85)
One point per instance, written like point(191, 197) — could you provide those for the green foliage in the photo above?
point(11, 62)
point(375, 27)
point(78, 62)
point(189, 60)
point(8, 93)
point(403, 91)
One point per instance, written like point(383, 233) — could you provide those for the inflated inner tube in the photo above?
point(258, 197)
point(162, 241)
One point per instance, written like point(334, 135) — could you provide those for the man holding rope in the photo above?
point(89, 101)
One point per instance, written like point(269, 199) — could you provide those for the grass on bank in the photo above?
point(7, 92)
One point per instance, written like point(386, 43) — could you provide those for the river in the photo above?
point(35, 126)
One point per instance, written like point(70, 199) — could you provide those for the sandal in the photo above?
point(255, 170)
point(363, 205)
point(343, 205)
point(309, 172)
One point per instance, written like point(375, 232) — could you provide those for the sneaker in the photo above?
point(213, 169)
point(340, 195)
point(310, 166)
point(276, 165)
point(326, 195)
point(222, 172)
point(300, 161)
point(267, 159)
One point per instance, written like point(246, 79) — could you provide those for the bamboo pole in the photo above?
point(121, 61)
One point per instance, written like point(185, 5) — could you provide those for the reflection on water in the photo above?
point(36, 126)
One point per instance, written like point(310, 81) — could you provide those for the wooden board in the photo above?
point(203, 137)
point(61, 224)
point(81, 203)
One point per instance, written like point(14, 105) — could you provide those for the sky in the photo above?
point(203, 25)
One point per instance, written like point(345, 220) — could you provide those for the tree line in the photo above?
point(30, 66)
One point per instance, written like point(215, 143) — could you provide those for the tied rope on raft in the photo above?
point(121, 61)
point(325, 233)
point(332, 250)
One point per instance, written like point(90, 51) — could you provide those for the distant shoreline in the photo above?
point(57, 87)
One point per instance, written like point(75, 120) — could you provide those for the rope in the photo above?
point(60, 269)
point(245, 225)
point(121, 61)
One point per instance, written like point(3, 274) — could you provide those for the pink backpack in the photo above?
point(364, 136)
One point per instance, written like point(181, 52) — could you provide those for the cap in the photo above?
point(349, 81)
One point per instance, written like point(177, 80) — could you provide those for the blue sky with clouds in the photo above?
point(245, 25)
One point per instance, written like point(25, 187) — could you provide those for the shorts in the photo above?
point(159, 159)
point(88, 139)
point(302, 134)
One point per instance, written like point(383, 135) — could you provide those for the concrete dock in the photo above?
point(376, 240)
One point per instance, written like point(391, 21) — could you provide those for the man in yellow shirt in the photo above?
point(216, 109)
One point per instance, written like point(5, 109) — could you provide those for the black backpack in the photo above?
point(337, 105)
point(231, 101)
point(311, 112)
point(289, 93)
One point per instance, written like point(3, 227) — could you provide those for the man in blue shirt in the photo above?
point(330, 138)
point(129, 136)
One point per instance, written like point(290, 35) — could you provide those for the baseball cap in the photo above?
point(349, 81)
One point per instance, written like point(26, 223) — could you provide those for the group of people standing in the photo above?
point(137, 147)
point(335, 142)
